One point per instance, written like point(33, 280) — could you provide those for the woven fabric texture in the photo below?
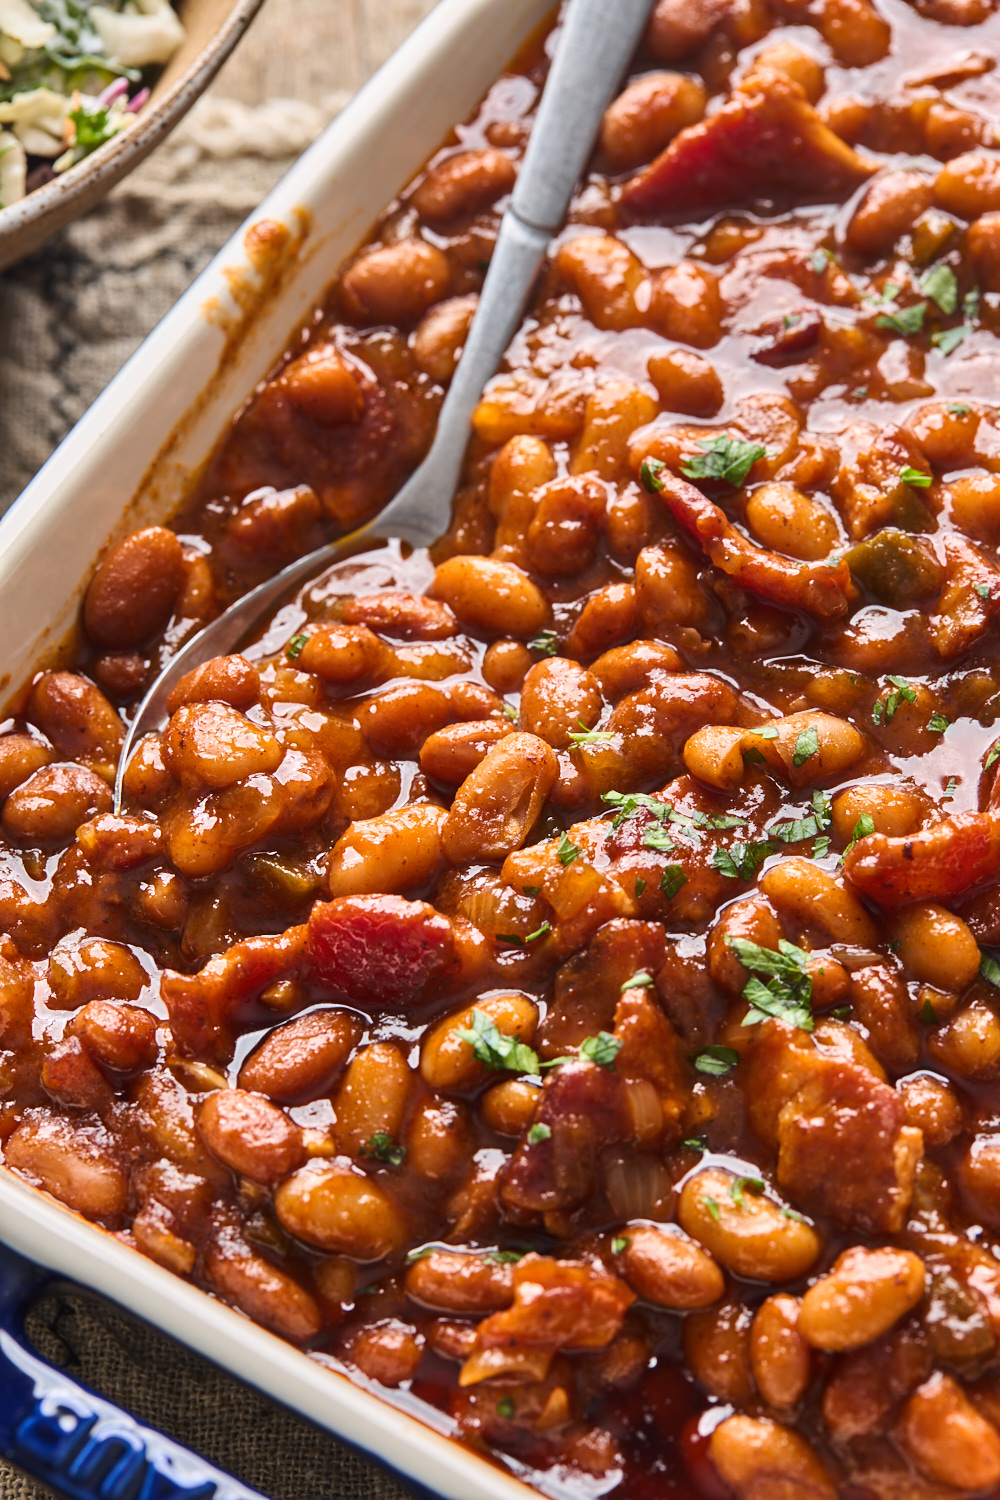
point(69, 318)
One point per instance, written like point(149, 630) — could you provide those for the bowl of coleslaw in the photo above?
point(87, 89)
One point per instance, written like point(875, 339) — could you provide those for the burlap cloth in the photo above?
point(69, 318)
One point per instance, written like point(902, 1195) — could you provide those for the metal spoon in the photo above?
point(598, 39)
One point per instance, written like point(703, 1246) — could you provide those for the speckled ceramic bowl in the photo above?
point(213, 29)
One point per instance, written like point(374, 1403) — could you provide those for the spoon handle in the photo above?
point(593, 49)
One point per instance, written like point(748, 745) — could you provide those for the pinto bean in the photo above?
point(492, 596)
point(262, 1290)
point(608, 617)
point(453, 753)
point(322, 385)
point(457, 1281)
point(372, 1097)
point(668, 1269)
point(249, 1134)
point(606, 276)
point(20, 757)
point(715, 755)
point(979, 1177)
point(948, 1439)
point(686, 305)
point(746, 1231)
point(446, 1059)
point(893, 810)
point(717, 1349)
point(438, 1139)
point(388, 1351)
point(557, 696)
point(563, 534)
point(496, 807)
point(399, 720)
point(94, 969)
point(811, 895)
point(508, 1107)
point(299, 1061)
point(440, 337)
point(344, 655)
point(410, 616)
point(75, 716)
point(668, 589)
point(395, 283)
point(757, 1457)
point(464, 184)
point(686, 382)
point(932, 1106)
point(133, 591)
point(647, 115)
point(785, 520)
point(72, 1078)
point(224, 679)
point(335, 1207)
point(119, 1037)
point(892, 204)
point(969, 185)
point(506, 664)
point(53, 803)
point(862, 1297)
point(808, 747)
point(393, 852)
point(213, 745)
point(855, 32)
point(628, 669)
point(74, 1162)
point(936, 947)
point(779, 1355)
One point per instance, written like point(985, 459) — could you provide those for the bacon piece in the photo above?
point(767, 141)
point(582, 1106)
point(558, 1304)
point(936, 864)
point(820, 588)
point(379, 950)
point(968, 602)
point(203, 1006)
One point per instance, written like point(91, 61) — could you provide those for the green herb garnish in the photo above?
point(725, 458)
point(716, 1062)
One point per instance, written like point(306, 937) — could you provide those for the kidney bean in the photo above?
point(224, 679)
point(779, 1355)
point(53, 802)
point(492, 596)
point(668, 1269)
point(335, 1207)
point(508, 1107)
point(647, 115)
point(446, 1059)
point(119, 1037)
point(686, 305)
point(400, 719)
point(250, 1135)
point(388, 1351)
point(440, 337)
point(457, 1281)
point(20, 757)
point(322, 385)
point(75, 716)
point(948, 1439)
point(756, 1457)
point(262, 1290)
point(686, 382)
point(299, 1061)
point(395, 283)
point(863, 1296)
point(75, 1162)
point(607, 278)
point(372, 1097)
point(393, 852)
point(496, 807)
point(464, 184)
point(557, 696)
point(745, 1230)
point(132, 594)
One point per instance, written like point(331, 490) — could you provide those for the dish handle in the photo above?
point(81, 1446)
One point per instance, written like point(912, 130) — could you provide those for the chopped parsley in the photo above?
point(821, 847)
point(567, 850)
point(505, 1407)
point(741, 861)
point(862, 828)
point(927, 1014)
point(713, 1208)
point(820, 259)
point(959, 409)
point(601, 1049)
point(640, 981)
point(295, 645)
point(640, 886)
point(787, 996)
point(618, 1244)
point(937, 723)
point(382, 1147)
point(716, 1062)
point(658, 838)
point(585, 736)
point(544, 643)
point(989, 969)
point(903, 691)
point(495, 1049)
point(982, 589)
point(793, 1213)
point(722, 457)
point(916, 477)
point(671, 881)
point(808, 826)
point(949, 790)
point(993, 756)
point(510, 712)
point(696, 1143)
point(948, 339)
point(908, 320)
point(506, 1257)
point(806, 745)
point(753, 1184)
point(538, 1133)
point(940, 284)
point(629, 803)
point(649, 476)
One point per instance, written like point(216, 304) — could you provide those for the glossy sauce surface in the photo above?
point(551, 978)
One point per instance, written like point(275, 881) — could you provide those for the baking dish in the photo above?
point(127, 463)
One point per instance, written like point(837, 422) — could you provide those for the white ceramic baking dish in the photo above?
point(127, 463)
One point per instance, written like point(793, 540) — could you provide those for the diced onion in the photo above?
point(638, 1186)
